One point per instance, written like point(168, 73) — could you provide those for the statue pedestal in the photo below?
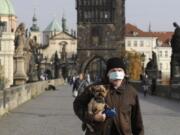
point(20, 76)
point(152, 73)
point(175, 69)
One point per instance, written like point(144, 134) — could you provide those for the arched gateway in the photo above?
point(95, 67)
point(101, 28)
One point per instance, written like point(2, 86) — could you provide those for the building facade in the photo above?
point(8, 23)
point(146, 42)
point(58, 43)
point(57, 39)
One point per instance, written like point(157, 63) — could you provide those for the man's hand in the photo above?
point(100, 117)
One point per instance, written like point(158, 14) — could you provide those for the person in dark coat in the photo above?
point(121, 96)
point(80, 84)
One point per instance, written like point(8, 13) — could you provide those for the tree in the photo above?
point(134, 67)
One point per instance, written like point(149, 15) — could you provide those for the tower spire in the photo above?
point(34, 16)
point(64, 27)
point(34, 26)
point(150, 30)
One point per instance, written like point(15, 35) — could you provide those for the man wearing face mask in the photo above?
point(121, 96)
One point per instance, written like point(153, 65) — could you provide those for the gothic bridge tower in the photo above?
point(101, 28)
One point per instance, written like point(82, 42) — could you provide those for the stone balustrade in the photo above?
point(167, 91)
point(13, 97)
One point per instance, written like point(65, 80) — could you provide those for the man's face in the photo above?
point(119, 73)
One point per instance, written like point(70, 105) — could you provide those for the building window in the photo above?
point(80, 2)
point(160, 53)
point(167, 66)
point(129, 43)
point(96, 38)
point(99, 11)
point(141, 43)
point(135, 43)
point(3, 26)
point(166, 54)
point(160, 66)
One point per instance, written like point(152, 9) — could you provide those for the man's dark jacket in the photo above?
point(125, 99)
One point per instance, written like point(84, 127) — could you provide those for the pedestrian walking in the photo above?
point(145, 85)
point(79, 85)
point(121, 97)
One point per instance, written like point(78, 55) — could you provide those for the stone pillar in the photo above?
point(20, 76)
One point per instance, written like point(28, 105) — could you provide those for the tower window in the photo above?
point(3, 26)
point(95, 11)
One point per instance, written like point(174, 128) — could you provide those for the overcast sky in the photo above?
point(160, 13)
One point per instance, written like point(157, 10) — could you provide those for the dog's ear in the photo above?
point(102, 87)
point(104, 90)
point(93, 90)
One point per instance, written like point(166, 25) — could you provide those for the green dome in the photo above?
point(53, 26)
point(6, 7)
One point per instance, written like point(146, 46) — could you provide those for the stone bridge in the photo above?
point(15, 96)
point(51, 113)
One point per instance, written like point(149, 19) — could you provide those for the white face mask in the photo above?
point(117, 75)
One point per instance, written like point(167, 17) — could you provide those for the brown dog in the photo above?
point(97, 103)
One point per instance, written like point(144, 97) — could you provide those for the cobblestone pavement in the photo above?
point(160, 116)
point(51, 114)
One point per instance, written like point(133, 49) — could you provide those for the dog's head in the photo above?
point(99, 91)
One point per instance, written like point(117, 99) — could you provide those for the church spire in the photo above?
point(150, 30)
point(64, 27)
point(34, 26)
point(34, 16)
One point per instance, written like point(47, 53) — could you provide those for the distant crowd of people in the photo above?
point(78, 83)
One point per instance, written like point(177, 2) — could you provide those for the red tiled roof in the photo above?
point(129, 29)
point(164, 37)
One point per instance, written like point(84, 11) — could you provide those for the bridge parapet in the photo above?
point(167, 91)
point(15, 96)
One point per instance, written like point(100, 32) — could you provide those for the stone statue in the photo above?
point(20, 76)
point(152, 68)
point(35, 60)
point(152, 64)
point(175, 42)
point(63, 51)
point(20, 39)
point(56, 65)
point(175, 58)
